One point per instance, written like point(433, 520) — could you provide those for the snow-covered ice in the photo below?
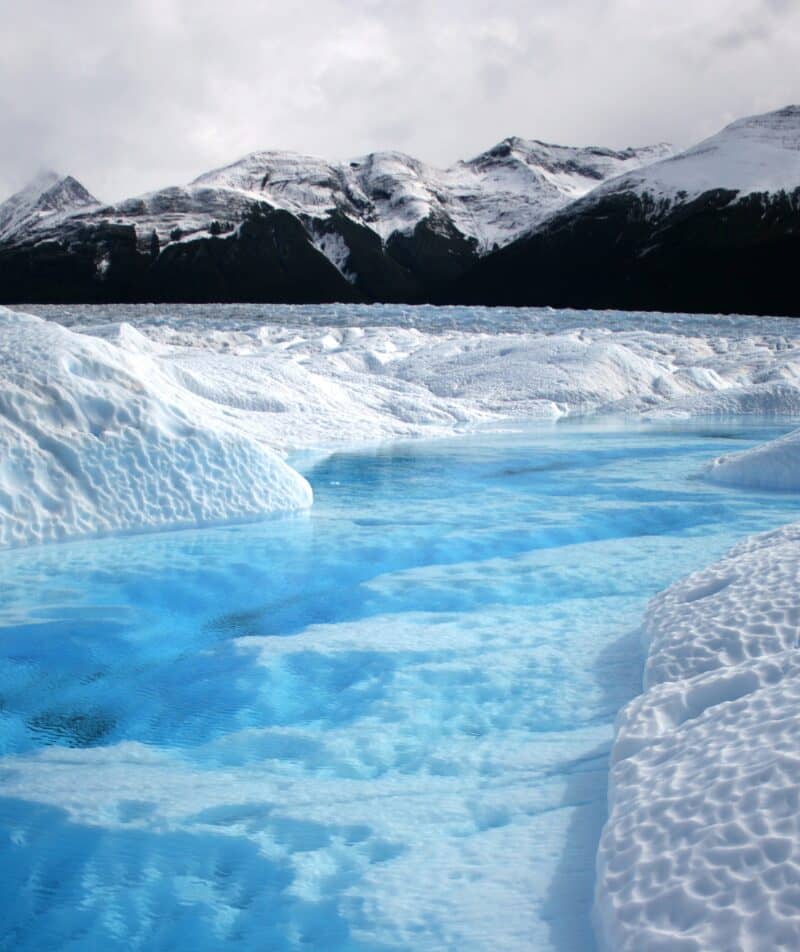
point(774, 465)
point(209, 390)
point(384, 724)
point(702, 847)
point(96, 437)
point(141, 418)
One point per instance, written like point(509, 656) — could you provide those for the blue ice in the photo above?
point(381, 725)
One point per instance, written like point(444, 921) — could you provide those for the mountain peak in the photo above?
point(782, 126)
point(48, 193)
point(755, 154)
point(41, 182)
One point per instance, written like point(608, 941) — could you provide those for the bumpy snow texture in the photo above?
point(94, 438)
point(702, 847)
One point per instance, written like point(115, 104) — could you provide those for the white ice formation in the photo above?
point(771, 466)
point(202, 396)
point(702, 847)
point(97, 438)
point(165, 420)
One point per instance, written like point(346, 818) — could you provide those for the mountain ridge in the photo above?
point(48, 194)
point(385, 226)
point(712, 228)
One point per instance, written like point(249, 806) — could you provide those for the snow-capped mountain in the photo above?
point(759, 154)
point(278, 225)
point(492, 198)
point(44, 200)
point(713, 228)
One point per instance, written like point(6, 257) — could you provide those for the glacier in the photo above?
point(97, 438)
point(180, 417)
point(381, 724)
point(700, 850)
point(135, 418)
point(774, 465)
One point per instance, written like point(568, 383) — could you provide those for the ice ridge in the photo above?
point(702, 845)
point(96, 439)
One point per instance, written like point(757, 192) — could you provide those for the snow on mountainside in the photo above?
point(277, 226)
point(714, 229)
point(521, 182)
point(42, 201)
point(492, 198)
point(755, 154)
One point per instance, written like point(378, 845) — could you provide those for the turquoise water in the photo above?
point(383, 724)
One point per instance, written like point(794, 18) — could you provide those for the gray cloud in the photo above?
point(132, 96)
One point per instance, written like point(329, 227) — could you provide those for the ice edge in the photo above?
point(701, 848)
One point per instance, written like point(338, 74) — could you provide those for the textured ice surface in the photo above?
point(774, 465)
point(97, 437)
point(702, 847)
point(207, 388)
point(395, 371)
point(381, 724)
point(385, 726)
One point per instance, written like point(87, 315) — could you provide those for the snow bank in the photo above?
point(96, 438)
point(702, 846)
point(774, 465)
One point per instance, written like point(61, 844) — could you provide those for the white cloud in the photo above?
point(151, 92)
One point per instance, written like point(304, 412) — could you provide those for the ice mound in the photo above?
point(774, 465)
point(96, 438)
point(702, 846)
point(317, 377)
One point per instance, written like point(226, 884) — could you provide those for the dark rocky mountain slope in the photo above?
point(713, 229)
point(283, 227)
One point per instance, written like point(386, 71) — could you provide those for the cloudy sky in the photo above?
point(137, 94)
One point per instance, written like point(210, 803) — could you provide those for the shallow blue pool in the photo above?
point(380, 725)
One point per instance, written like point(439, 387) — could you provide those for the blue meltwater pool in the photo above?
point(380, 725)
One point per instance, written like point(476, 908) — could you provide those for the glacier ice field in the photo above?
point(379, 724)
